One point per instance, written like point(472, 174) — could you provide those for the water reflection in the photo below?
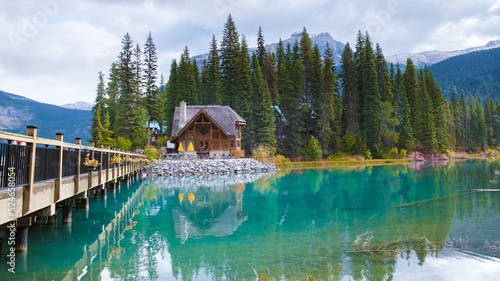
point(358, 223)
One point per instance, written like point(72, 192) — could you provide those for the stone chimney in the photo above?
point(182, 117)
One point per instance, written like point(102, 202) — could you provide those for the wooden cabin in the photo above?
point(213, 131)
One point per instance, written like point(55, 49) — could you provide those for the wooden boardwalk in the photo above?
point(42, 174)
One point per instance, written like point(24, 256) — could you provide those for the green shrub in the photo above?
point(402, 153)
point(314, 149)
point(123, 143)
point(261, 153)
point(152, 152)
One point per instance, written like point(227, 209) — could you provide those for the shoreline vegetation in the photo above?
point(377, 162)
point(297, 101)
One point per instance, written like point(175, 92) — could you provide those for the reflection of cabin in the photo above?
point(207, 212)
point(211, 130)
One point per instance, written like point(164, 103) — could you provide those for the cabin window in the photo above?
point(238, 132)
point(232, 143)
point(238, 143)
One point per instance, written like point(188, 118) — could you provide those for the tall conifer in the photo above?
point(230, 49)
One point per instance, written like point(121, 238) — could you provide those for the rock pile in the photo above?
point(199, 167)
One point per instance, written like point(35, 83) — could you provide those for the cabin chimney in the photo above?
point(182, 117)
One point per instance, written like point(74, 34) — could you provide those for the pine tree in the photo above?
point(243, 84)
point(270, 76)
point(327, 128)
point(405, 138)
point(186, 81)
point(463, 123)
point(96, 130)
point(107, 134)
point(425, 132)
point(100, 100)
point(306, 56)
point(203, 91)
point(281, 55)
point(197, 81)
point(137, 64)
point(383, 78)
point(172, 93)
point(410, 84)
point(480, 126)
point(261, 48)
point(213, 74)
point(127, 123)
point(230, 48)
point(349, 93)
point(438, 111)
point(153, 101)
point(358, 57)
point(371, 99)
point(292, 107)
point(317, 98)
point(113, 92)
point(262, 118)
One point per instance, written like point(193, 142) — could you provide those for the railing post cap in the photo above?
point(59, 134)
point(31, 127)
point(78, 138)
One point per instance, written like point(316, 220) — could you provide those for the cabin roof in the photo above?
point(225, 116)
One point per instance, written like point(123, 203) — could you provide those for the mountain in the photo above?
point(320, 39)
point(17, 112)
point(477, 72)
point(432, 57)
point(80, 105)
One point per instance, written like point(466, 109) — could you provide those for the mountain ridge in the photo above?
point(435, 56)
point(420, 59)
point(17, 112)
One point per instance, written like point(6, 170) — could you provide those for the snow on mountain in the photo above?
point(435, 56)
point(419, 59)
point(320, 39)
point(80, 105)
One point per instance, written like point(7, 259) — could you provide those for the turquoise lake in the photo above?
point(396, 222)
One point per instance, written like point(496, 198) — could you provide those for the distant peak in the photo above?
point(493, 43)
point(296, 34)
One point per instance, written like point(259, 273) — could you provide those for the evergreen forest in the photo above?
point(297, 102)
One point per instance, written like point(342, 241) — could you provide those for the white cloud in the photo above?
point(65, 43)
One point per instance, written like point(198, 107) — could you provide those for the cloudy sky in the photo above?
point(52, 50)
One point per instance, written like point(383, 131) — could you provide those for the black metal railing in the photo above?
point(46, 163)
point(17, 157)
point(14, 161)
point(70, 163)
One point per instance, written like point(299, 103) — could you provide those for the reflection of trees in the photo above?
point(298, 220)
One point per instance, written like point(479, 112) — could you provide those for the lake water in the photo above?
point(399, 222)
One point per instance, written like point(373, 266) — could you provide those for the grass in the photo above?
point(369, 162)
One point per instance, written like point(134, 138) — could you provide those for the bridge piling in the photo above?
point(66, 214)
point(22, 234)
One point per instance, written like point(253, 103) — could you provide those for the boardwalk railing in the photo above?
point(37, 173)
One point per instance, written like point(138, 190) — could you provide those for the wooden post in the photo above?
point(78, 141)
point(91, 173)
point(91, 144)
point(109, 163)
point(100, 165)
point(28, 189)
point(57, 189)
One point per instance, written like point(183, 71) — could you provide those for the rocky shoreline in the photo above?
point(202, 167)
